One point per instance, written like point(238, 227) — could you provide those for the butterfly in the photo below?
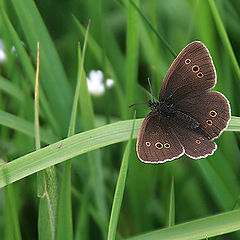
point(188, 115)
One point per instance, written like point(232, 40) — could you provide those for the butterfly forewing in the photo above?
point(192, 71)
point(157, 142)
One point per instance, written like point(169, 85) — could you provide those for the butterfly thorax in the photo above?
point(166, 109)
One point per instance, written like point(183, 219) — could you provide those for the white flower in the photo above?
point(109, 82)
point(95, 83)
point(3, 56)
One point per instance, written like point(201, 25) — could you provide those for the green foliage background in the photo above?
point(102, 190)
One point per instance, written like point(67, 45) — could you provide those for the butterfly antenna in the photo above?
point(137, 104)
point(150, 87)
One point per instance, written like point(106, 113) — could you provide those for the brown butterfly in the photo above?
point(188, 115)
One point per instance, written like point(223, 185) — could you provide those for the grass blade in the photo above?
point(64, 227)
point(12, 227)
point(46, 183)
point(11, 121)
point(224, 36)
point(154, 30)
point(132, 52)
point(28, 69)
point(53, 79)
point(11, 89)
point(197, 229)
point(171, 218)
point(119, 191)
point(71, 147)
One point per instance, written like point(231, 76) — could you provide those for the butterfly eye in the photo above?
point(209, 122)
point(187, 61)
point(167, 145)
point(198, 141)
point(195, 68)
point(159, 145)
point(213, 113)
point(148, 144)
point(201, 138)
point(200, 74)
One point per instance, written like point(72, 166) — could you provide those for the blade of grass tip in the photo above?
point(119, 191)
point(224, 36)
point(64, 226)
point(37, 131)
point(46, 217)
point(97, 52)
point(72, 125)
point(160, 37)
point(171, 217)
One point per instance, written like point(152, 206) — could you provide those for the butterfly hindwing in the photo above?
point(194, 141)
point(157, 142)
point(192, 71)
point(211, 109)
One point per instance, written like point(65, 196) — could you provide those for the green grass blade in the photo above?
point(224, 36)
point(161, 38)
point(72, 125)
point(64, 227)
point(71, 147)
point(94, 158)
point(197, 229)
point(53, 78)
point(97, 52)
point(132, 53)
point(28, 69)
point(36, 101)
point(11, 121)
point(46, 183)
point(119, 191)
point(234, 124)
point(171, 217)
point(12, 227)
point(11, 89)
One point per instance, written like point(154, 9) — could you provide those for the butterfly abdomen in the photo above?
point(184, 119)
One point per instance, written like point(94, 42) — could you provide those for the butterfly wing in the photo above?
point(211, 109)
point(156, 141)
point(191, 71)
point(195, 144)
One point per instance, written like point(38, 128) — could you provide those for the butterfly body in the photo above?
point(188, 115)
point(167, 111)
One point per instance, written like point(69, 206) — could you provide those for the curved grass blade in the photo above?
point(70, 147)
point(23, 126)
point(197, 229)
point(11, 89)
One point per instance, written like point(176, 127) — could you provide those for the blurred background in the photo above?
point(122, 53)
